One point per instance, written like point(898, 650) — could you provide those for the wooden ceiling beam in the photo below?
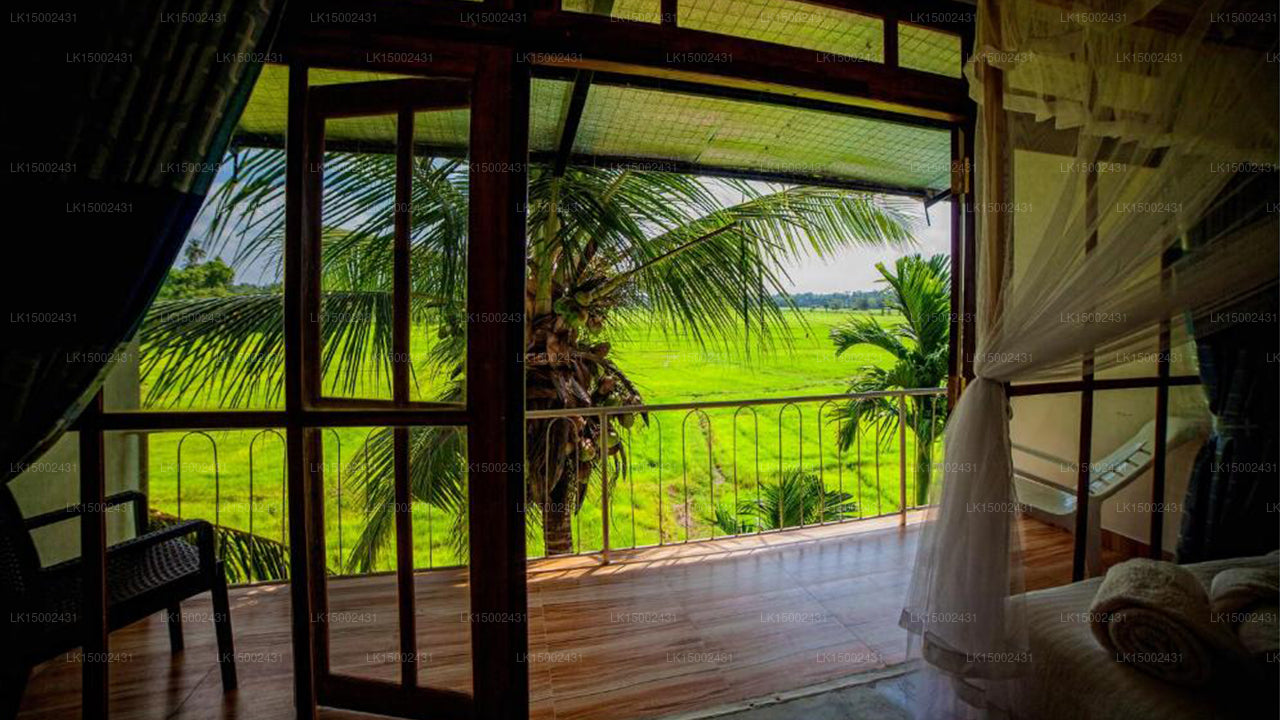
point(369, 34)
point(548, 158)
point(375, 97)
point(572, 118)
point(788, 178)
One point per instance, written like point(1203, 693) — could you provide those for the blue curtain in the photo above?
point(1231, 507)
point(117, 115)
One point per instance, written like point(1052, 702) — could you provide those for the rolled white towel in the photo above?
point(1245, 599)
point(1156, 616)
point(1259, 632)
point(1235, 589)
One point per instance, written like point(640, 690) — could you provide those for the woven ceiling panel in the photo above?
point(756, 136)
point(639, 123)
point(929, 50)
point(785, 22)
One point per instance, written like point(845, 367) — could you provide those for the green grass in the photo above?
point(666, 490)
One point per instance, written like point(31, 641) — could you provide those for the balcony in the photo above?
point(655, 612)
point(658, 631)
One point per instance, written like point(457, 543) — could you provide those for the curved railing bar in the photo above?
point(822, 464)
point(879, 508)
point(338, 445)
point(546, 485)
point(217, 485)
point(756, 420)
point(782, 501)
point(684, 465)
point(631, 483)
point(740, 406)
point(626, 409)
point(857, 448)
point(284, 481)
point(368, 508)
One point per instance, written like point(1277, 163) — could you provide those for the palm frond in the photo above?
point(437, 476)
point(920, 289)
point(246, 557)
point(865, 330)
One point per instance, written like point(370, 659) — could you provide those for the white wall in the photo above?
point(53, 481)
point(1051, 423)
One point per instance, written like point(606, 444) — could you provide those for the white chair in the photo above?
point(1053, 503)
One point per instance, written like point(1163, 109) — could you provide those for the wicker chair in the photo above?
point(149, 573)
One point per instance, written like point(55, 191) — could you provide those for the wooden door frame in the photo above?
point(493, 412)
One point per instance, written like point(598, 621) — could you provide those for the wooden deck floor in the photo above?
point(660, 631)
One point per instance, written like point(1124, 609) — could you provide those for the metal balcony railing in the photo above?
point(672, 478)
point(680, 473)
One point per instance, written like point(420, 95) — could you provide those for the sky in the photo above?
point(854, 268)
point(850, 270)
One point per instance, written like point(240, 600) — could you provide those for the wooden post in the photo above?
point(996, 195)
point(406, 605)
point(297, 184)
point(317, 552)
point(1084, 457)
point(1155, 541)
point(670, 13)
point(406, 602)
point(890, 21)
point(401, 272)
point(956, 326)
point(969, 286)
point(93, 560)
point(1083, 461)
point(1155, 536)
point(969, 245)
point(495, 383)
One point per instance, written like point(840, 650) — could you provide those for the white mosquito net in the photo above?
point(1128, 150)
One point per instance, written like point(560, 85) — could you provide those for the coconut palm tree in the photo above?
point(919, 289)
point(694, 255)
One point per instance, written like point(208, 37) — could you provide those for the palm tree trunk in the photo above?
point(557, 522)
point(924, 469)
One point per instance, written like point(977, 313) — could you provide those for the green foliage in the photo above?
point(920, 289)
point(199, 280)
point(437, 475)
point(668, 370)
point(246, 558)
point(797, 498)
point(602, 244)
point(856, 300)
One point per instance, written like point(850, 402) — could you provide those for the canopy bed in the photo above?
point(1126, 164)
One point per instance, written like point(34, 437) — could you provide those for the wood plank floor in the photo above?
point(659, 631)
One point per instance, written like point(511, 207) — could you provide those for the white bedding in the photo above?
point(1075, 677)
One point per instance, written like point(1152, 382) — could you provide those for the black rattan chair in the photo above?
point(149, 573)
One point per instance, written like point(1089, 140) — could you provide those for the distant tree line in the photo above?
point(853, 300)
point(203, 278)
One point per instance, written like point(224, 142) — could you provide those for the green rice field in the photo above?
point(678, 468)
